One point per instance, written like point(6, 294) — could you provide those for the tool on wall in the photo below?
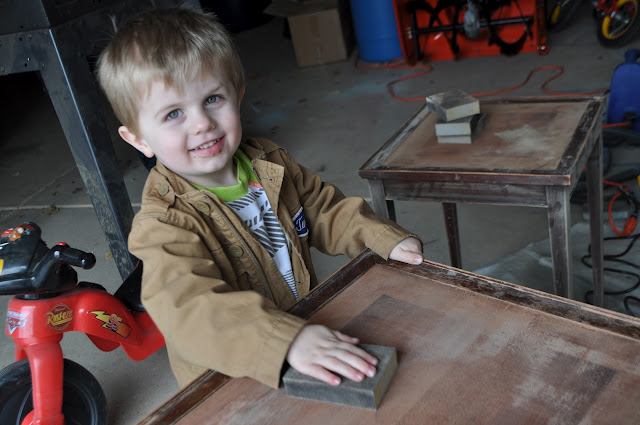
point(464, 21)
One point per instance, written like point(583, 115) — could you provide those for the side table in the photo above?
point(531, 153)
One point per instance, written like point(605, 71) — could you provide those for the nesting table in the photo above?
point(471, 350)
point(531, 153)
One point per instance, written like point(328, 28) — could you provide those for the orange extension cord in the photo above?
point(632, 221)
point(400, 63)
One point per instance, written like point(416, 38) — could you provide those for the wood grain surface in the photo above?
point(471, 350)
point(517, 136)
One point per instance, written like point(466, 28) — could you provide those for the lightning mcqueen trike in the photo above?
point(42, 387)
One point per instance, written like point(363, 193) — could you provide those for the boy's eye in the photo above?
point(174, 114)
point(212, 99)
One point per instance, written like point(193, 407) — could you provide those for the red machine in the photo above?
point(43, 388)
point(432, 30)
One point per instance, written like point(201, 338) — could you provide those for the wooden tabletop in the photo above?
point(471, 349)
point(527, 140)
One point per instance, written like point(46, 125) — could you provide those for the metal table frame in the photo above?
point(57, 40)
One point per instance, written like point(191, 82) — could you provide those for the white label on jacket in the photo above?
point(300, 223)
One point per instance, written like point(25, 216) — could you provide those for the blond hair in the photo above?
point(168, 45)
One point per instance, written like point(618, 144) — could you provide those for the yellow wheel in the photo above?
point(555, 15)
point(620, 28)
point(562, 12)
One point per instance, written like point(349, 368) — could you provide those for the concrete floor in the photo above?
point(331, 118)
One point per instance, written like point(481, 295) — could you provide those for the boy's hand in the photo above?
point(408, 251)
point(317, 351)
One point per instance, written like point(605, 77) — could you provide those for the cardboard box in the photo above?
point(321, 30)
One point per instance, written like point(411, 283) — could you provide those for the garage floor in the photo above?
point(331, 118)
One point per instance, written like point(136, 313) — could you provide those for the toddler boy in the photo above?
point(226, 223)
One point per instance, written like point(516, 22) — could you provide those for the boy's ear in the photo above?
point(135, 141)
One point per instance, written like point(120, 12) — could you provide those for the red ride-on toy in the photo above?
point(41, 387)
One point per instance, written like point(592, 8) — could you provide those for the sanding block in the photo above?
point(366, 394)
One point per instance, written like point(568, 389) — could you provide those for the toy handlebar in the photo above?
point(28, 266)
point(74, 257)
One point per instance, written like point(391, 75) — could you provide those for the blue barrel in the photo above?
point(624, 93)
point(374, 22)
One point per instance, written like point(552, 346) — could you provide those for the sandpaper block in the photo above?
point(468, 132)
point(453, 104)
point(366, 394)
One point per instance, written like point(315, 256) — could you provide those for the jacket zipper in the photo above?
point(253, 258)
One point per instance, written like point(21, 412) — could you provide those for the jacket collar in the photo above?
point(270, 174)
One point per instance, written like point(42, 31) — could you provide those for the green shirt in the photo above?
point(245, 177)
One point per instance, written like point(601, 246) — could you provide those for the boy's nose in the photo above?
point(202, 123)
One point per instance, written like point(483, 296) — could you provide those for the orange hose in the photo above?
point(631, 222)
point(401, 64)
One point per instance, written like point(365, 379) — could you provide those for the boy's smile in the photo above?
point(194, 129)
point(206, 148)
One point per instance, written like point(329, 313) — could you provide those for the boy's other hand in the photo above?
point(408, 251)
point(318, 351)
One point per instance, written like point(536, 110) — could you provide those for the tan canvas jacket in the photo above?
point(213, 290)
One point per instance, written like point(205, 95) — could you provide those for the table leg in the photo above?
point(594, 196)
point(66, 74)
point(391, 207)
point(558, 212)
point(453, 237)
point(381, 206)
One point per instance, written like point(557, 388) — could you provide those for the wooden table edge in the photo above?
point(208, 383)
point(191, 396)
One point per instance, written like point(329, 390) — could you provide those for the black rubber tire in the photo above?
point(609, 35)
point(84, 402)
point(560, 16)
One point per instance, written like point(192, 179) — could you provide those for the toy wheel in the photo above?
point(620, 29)
point(84, 402)
point(561, 14)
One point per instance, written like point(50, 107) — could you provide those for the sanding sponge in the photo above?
point(366, 394)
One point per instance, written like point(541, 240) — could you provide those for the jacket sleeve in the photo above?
point(339, 224)
point(238, 333)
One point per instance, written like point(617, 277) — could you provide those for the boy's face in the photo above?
point(193, 131)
